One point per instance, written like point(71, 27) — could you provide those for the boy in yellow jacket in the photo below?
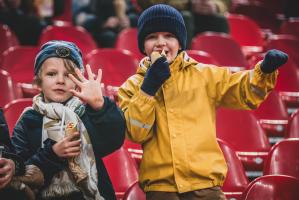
point(170, 104)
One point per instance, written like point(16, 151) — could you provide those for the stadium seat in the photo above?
point(134, 193)
point(246, 32)
point(283, 158)
point(117, 65)
point(127, 39)
point(221, 47)
point(19, 62)
point(273, 117)
point(8, 38)
point(286, 43)
point(290, 26)
point(9, 90)
point(273, 187)
point(70, 33)
point(14, 109)
point(202, 57)
point(135, 151)
point(122, 171)
point(242, 130)
point(293, 127)
point(236, 180)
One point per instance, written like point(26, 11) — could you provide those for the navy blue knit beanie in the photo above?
point(59, 49)
point(161, 18)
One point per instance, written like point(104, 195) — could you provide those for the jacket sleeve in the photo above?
point(108, 128)
point(244, 89)
point(44, 158)
point(139, 110)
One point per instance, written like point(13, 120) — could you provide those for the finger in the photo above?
point(76, 93)
point(89, 72)
point(100, 73)
point(76, 81)
point(76, 143)
point(73, 150)
point(71, 155)
point(80, 75)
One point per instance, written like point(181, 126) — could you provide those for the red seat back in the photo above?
point(283, 158)
point(273, 187)
point(19, 62)
point(134, 193)
point(222, 47)
point(9, 90)
point(202, 57)
point(117, 65)
point(290, 26)
point(14, 109)
point(122, 171)
point(293, 128)
point(236, 180)
point(8, 38)
point(135, 151)
point(75, 34)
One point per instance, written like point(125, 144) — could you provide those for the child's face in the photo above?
point(55, 83)
point(160, 41)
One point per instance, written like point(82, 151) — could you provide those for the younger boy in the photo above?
point(71, 163)
point(170, 105)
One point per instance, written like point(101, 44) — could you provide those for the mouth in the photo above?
point(60, 91)
point(162, 52)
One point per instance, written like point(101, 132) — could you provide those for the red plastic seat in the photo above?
point(75, 34)
point(8, 38)
point(236, 180)
point(13, 111)
point(241, 129)
point(291, 26)
point(293, 127)
point(283, 158)
point(202, 57)
point(9, 90)
point(135, 151)
point(127, 39)
point(134, 193)
point(273, 187)
point(246, 32)
point(122, 171)
point(19, 62)
point(117, 65)
point(273, 117)
point(286, 43)
point(222, 47)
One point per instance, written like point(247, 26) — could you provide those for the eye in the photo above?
point(50, 73)
point(169, 35)
point(150, 36)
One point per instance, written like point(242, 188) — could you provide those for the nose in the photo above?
point(60, 79)
point(161, 41)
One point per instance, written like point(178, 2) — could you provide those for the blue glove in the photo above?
point(273, 59)
point(155, 76)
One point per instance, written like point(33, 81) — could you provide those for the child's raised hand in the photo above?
point(68, 147)
point(89, 89)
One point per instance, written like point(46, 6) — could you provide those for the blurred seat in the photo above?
point(283, 158)
point(273, 117)
point(286, 43)
point(241, 129)
point(202, 57)
point(19, 62)
point(135, 151)
point(290, 26)
point(117, 65)
point(75, 34)
point(236, 180)
point(8, 38)
point(14, 109)
point(9, 90)
point(293, 127)
point(246, 32)
point(134, 193)
point(222, 47)
point(122, 171)
point(260, 13)
point(127, 39)
point(273, 187)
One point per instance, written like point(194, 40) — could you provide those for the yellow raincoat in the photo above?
point(177, 127)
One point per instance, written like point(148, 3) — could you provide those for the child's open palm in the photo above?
point(89, 90)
